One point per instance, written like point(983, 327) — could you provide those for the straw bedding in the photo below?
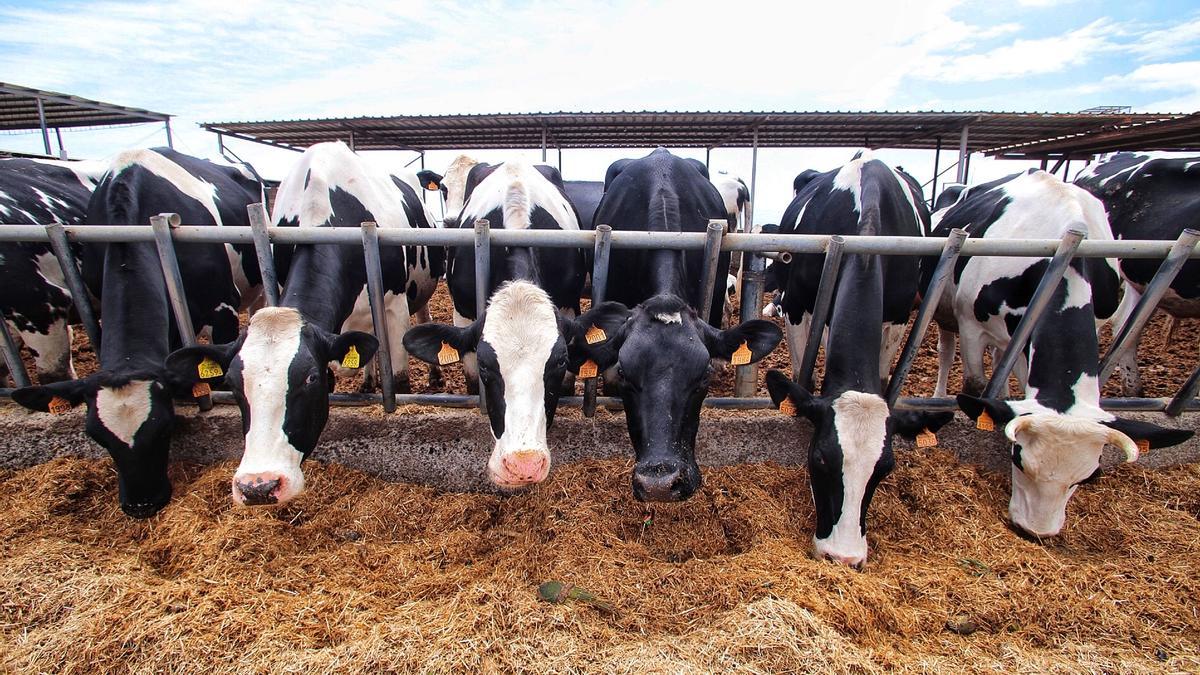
point(363, 575)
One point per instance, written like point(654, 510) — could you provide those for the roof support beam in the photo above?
point(42, 120)
point(963, 139)
point(50, 97)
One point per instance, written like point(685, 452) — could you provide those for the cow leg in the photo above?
point(1131, 379)
point(397, 318)
point(971, 339)
point(946, 345)
point(51, 351)
point(893, 337)
point(797, 335)
point(568, 385)
point(1169, 329)
point(436, 380)
point(360, 319)
point(470, 365)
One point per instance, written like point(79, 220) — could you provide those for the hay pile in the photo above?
point(364, 575)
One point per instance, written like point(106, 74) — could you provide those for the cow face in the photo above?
point(663, 353)
point(850, 453)
point(132, 418)
point(280, 376)
point(521, 349)
point(453, 184)
point(1053, 453)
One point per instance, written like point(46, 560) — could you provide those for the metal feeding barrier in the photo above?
point(165, 231)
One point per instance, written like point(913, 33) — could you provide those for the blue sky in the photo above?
point(238, 60)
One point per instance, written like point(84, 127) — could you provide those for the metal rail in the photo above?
point(161, 227)
point(820, 313)
point(600, 258)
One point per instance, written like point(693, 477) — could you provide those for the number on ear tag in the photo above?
point(741, 355)
point(59, 405)
point(209, 369)
point(589, 369)
point(595, 334)
point(447, 355)
point(926, 439)
point(984, 422)
point(352, 358)
point(787, 407)
point(201, 389)
point(1143, 445)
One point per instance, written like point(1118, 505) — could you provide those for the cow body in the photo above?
point(1148, 196)
point(586, 196)
point(33, 292)
point(130, 410)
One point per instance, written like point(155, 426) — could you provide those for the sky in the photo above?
point(236, 60)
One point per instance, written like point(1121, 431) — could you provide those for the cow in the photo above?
point(278, 370)
point(130, 408)
point(518, 348)
point(1148, 196)
point(585, 195)
point(1058, 429)
point(734, 194)
point(651, 330)
point(851, 447)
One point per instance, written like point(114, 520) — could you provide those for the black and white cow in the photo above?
point(278, 370)
point(851, 447)
point(1148, 196)
point(129, 400)
point(734, 194)
point(33, 293)
point(652, 332)
point(586, 196)
point(1058, 430)
point(518, 348)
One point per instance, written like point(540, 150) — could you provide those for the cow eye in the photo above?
point(311, 379)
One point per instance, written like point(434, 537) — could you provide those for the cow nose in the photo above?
point(524, 467)
point(141, 510)
point(661, 482)
point(854, 561)
point(256, 489)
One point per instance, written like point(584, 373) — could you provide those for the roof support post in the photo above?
point(170, 144)
point(42, 122)
point(560, 160)
point(962, 153)
point(708, 158)
point(937, 157)
point(62, 152)
point(543, 143)
point(352, 150)
point(221, 144)
point(749, 217)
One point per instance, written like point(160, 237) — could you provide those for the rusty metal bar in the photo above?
point(383, 359)
point(483, 271)
point(821, 305)
point(599, 287)
point(262, 248)
point(161, 225)
point(79, 293)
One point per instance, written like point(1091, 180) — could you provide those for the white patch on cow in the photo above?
point(849, 178)
point(272, 341)
point(516, 188)
point(522, 328)
point(51, 271)
point(123, 410)
point(196, 188)
point(860, 421)
point(455, 182)
point(730, 186)
point(87, 172)
point(51, 349)
point(669, 317)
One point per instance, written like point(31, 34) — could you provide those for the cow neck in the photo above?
point(323, 283)
point(855, 334)
point(135, 309)
point(668, 270)
point(523, 265)
point(1064, 353)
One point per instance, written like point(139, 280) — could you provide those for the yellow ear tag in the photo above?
point(1143, 445)
point(787, 407)
point(595, 334)
point(200, 390)
point(926, 439)
point(209, 368)
point(432, 186)
point(352, 359)
point(741, 355)
point(589, 369)
point(447, 355)
point(984, 422)
point(59, 405)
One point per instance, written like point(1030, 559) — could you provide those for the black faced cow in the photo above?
point(662, 348)
point(278, 370)
point(1148, 197)
point(129, 401)
point(33, 293)
point(1058, 430)
point(518, 348)
point(851, 447)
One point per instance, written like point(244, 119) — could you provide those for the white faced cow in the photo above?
point(1058, 430)
point(278, 370)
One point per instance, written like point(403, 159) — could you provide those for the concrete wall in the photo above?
point(449, 448)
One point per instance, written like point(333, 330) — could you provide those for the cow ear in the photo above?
point(41, 398)
point(912, 423)
point(353, 349)
point(787, 394)
point(430, 180)
point(598, 335)
point(1159, 437)
point(442, 344)
point(757, 336)
point(190, 365)
point(1000, 412)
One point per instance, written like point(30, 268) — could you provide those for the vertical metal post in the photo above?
point(1067, 169)
point(599, 287)
point(937, 157)
point(171, 145)
point(1186, 393)
point(62, 151)
point(262, 247)
point(560, 160)
point(997, 387)
point(753, 275)
point(708, 158)
point(42, 121)
point(424, 193)
point(753, 181)
point(483, 281)
point(929, 303)
point(1043, 164)
point(351, 140)
point(962, 154)
point(1158, 286)
point(383, 358)
point(821, 305)
point(79, 293)
point(162, 224)
point(543, 143)
point(712, 253)
point(12, 356)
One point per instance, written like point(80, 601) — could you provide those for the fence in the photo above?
point(166, 229)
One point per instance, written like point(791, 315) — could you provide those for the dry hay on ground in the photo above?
point(363, 575)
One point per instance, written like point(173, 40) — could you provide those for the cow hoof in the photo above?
point(436, 381)
point(473, 387)
point(401, 385)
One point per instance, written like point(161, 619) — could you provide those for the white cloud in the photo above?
point(1169, 41)
point(1024, 57)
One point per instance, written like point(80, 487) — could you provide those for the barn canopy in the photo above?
point(24, 109)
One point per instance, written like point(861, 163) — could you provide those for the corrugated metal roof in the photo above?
point(18, 110)
point(1179, 133)
point(567, 130)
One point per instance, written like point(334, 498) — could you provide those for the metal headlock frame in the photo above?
point(165, 230)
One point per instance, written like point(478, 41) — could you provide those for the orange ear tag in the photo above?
point(984, 422)
point(787, 407)
point(1143, 445)
point(741, 356)
point(432, 186)
point(926, 439)
point(59, 405)
point(589, 369)
point(208, 368)
point(200, 390)
point(595, 334)
point(447, 355)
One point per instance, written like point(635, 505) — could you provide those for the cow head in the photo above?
point(131, 415)
point(280, 377)
point(520, 345)
point(453, 184)
point(1052, 454)
point(663, 353)
point(849, 454)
